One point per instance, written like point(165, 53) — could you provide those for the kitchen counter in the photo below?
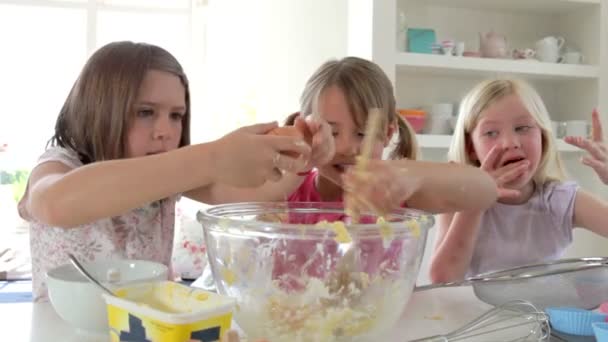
point(431, 312)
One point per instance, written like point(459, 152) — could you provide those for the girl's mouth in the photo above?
point(512, 161)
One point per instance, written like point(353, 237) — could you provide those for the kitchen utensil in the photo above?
point(84, 272)
point(577, 282)
point(518, 319)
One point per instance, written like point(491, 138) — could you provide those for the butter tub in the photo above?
point(168, 312)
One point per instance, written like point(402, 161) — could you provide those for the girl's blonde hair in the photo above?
point(483, 96)
point(365, 86)
point(97, 113)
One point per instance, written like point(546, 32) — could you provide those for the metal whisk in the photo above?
point(511, 318)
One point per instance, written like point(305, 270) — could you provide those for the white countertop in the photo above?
point(428, 313)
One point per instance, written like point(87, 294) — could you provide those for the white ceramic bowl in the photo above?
point(80, 303)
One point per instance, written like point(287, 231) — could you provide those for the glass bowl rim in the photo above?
point(219, 215)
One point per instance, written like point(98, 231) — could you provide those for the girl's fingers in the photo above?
point(597, 132)
point(511, 174)
point(287, 144)
point(261, 128)
point(313, 124)
point(288, 163)
point(587, 145)
point(491, 159)
point(275, 175)
point(508, 168)
point(303, 127)
point(575, 141)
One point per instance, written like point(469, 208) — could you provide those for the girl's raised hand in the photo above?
point(323, 146)
point(503, 175)
point(597, 158)
point(248, 157)
point(382, 187)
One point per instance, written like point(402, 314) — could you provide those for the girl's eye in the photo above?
point(177, 116)
point(145, 112)
point(490, 134)
point(522, 128)
point(334, 134)
point(360, 134)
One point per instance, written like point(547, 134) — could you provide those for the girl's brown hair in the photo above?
point(365, 86)
point(95, 117)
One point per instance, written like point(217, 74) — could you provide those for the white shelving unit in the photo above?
point(473, 67)
point(569, 91)
point(441, 141)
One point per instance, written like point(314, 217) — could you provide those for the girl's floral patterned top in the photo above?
point(142, 233)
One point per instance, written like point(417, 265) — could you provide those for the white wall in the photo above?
point(256, 59)
point(259, 56)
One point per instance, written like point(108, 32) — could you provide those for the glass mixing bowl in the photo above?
point(304, 272)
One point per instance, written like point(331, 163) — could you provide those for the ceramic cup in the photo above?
point(572, 57)
point(558, 129)
point(459, 49)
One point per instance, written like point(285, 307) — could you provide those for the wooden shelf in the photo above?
point(443, 141)
point(489, 67)
point(536, 6)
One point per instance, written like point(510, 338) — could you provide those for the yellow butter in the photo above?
point(167, 311)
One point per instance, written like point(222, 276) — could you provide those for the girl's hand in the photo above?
point(248, 157)
point(503, 175)
point(597, 158)
point(323, 147)
point(381, 187)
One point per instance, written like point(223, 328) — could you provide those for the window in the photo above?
point(48, 44)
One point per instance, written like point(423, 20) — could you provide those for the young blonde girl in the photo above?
point(121, 155)
point(504, 129)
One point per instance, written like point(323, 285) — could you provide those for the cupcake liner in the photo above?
point(574, 321)
point(601, 331)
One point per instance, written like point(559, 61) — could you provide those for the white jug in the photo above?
point(548, 49)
